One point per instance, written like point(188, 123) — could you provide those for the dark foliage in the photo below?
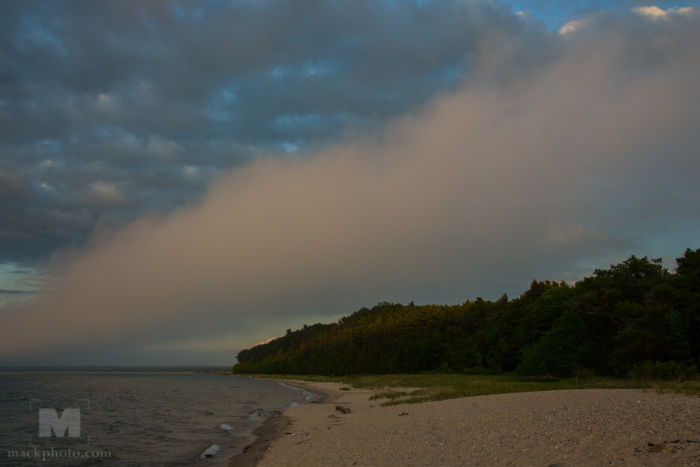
point(610, 323)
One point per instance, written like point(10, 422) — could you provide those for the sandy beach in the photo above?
point(562, 428)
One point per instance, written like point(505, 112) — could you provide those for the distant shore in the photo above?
point(563, 428)
point(116, 369)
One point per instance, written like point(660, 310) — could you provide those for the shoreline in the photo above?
point(270, 429)
point(275, 425)
point(565, 428)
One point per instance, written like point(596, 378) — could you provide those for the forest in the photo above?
point(632, 314)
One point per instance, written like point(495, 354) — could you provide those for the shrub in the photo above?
point(663, 370)
point(479, 370)
point(584, 373)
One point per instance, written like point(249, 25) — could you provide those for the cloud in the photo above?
point(16, 292)
point(105, 194)
point(573, 233)
point(481, 190)
point(131, 96)
point(572, 26)
point(656, 13)
point(10, 187)
point(653, 13)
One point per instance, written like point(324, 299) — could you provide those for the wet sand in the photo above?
point(273, 427)
point(552, 428)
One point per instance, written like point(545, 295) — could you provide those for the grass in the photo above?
point(436, 387)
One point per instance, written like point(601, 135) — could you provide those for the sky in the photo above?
point(183, 179)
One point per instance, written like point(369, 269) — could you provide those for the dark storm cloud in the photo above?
point(109, 110)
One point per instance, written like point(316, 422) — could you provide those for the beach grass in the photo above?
point(417, 388)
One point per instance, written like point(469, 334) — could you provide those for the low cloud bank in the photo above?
point(524, 172)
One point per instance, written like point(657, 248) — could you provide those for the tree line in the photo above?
point(633, 312)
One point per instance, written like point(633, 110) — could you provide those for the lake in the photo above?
point(132, 419)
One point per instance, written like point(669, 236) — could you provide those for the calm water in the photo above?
point(141, 419)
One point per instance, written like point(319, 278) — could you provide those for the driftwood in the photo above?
point(342, 409)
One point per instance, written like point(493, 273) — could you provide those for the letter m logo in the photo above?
point(69, 421)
